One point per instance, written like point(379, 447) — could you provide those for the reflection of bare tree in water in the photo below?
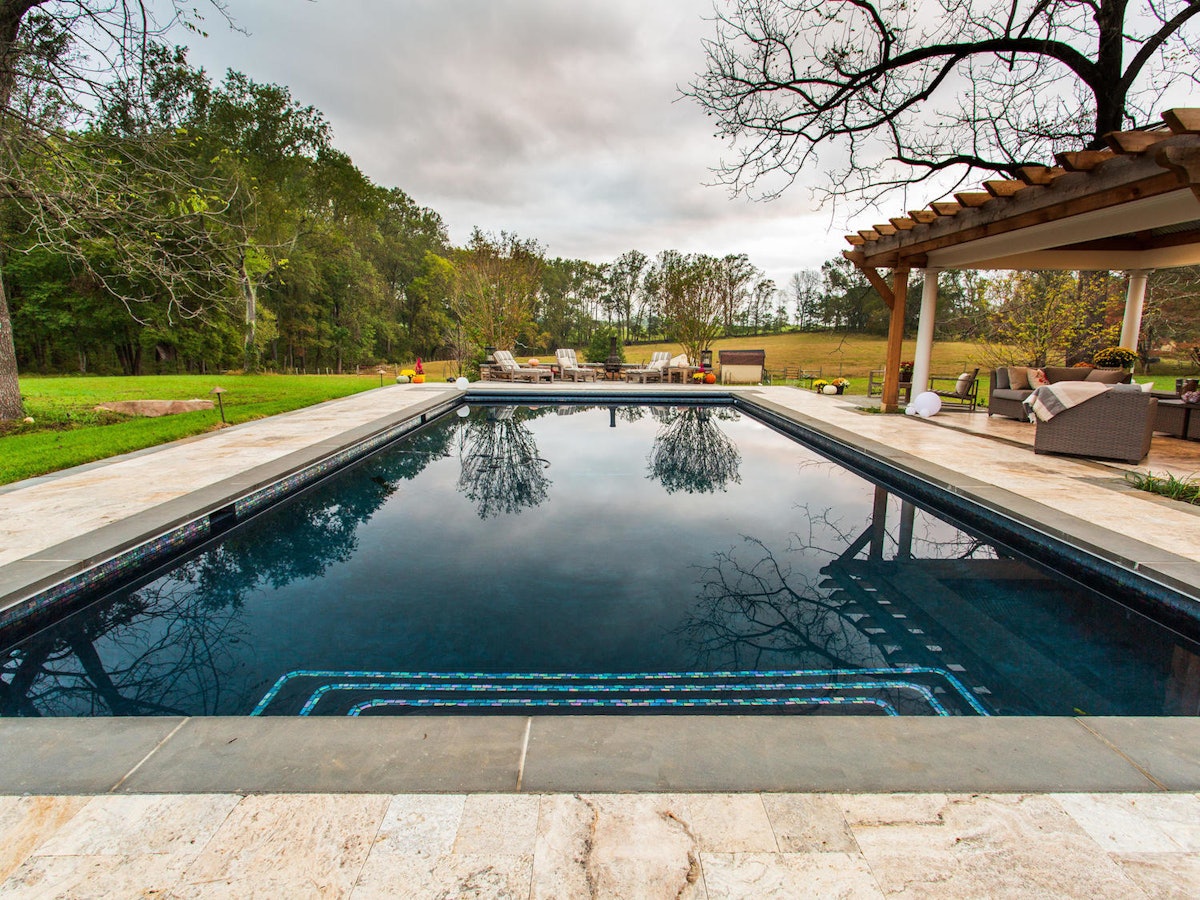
point(755, 612)
point(691, 453)
point(501, 469)
point(168, 648)
point(162, 650)
point(757, 608)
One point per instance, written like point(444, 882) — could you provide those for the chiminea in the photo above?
point(612, 365)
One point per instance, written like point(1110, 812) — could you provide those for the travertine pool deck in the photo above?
point(516, 806)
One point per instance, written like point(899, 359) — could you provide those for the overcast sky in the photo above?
point(559, 120)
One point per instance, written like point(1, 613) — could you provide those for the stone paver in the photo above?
point(604, 845)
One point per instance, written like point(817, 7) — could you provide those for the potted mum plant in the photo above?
point(841, 384)
point(1115, 358)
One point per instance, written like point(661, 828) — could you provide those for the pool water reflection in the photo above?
point(591, 559)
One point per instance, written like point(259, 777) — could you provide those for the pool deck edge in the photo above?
point(599, 754)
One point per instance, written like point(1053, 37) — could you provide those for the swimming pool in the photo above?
point(569, 558)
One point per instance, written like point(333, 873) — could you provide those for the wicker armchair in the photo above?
point(1114, 425)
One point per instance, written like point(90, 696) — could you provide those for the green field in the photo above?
point(850, 356)
point(68, 431)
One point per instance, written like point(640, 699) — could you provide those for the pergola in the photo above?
point(1134, 206)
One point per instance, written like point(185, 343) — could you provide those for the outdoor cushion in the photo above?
point(1106, 376)
point(1037, 378)
point(1018, 378)
point(963, 384)
point(1011, 394)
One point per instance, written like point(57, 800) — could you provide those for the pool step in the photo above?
point(902, 690)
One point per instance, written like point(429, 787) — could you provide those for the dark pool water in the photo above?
point(591, 559)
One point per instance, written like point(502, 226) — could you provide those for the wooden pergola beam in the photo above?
point(973, 199)
point(856, 240)
point(1184, 162)
point(1004, 188)
point(903, 223)
point(1039, 175)
point(1183, 121)
point(922, 216)
point(1083, 160)
point(945, 207)
point(1129, 142)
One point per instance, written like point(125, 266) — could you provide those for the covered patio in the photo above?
point(1134, 206)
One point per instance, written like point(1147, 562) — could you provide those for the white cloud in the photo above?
point(556, 120)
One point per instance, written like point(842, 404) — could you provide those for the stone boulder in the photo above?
point(155, 408)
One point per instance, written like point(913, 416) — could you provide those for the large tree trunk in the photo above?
point(11, 14)
point(10, 390)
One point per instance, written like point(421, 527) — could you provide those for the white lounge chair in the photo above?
point(511, 370)
point(655, 371)
point(570, 367)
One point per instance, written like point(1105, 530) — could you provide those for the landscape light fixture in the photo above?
point(220, 403)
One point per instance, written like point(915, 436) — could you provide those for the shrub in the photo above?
point(598, 346)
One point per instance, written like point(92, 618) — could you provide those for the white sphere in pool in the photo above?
point(463, 411)
point(927, 404)
point(461, 383)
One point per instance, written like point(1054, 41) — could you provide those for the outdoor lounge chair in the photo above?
point(569, 367)
point(965, 391)
point(509, 369)
point(655, 371)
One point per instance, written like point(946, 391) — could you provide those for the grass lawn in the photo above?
point(68, 431)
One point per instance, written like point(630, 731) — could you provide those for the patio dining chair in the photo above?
point(511, 370)
point(569, 366)
point(655, 371)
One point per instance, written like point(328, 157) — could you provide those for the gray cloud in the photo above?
point(557, 120)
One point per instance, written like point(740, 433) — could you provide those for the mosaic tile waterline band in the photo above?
point(300, 692)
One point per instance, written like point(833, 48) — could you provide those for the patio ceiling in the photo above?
point(1135, 205)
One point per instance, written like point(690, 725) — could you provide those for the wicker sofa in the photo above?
point(1117, 424)
point(1005, 400)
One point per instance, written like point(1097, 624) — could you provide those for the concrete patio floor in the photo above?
point(515, 806)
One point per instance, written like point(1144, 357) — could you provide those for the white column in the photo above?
point(1134, 301)
point(929, 290)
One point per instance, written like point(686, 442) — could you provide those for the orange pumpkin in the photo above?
point(710, 378)
point(418, 379)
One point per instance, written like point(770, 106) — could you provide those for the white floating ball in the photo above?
point(910, 410)
point(463, 411)
point(461, 383)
